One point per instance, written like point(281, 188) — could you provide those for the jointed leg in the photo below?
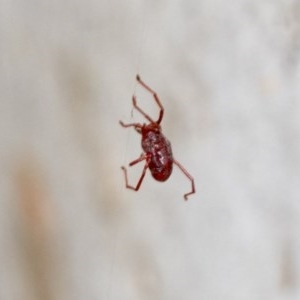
point(161, 113)
point(140, 110)
point(141, 158)
point(189, 176)
point(136, 125)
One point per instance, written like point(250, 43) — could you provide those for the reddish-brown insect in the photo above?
point(157, 149)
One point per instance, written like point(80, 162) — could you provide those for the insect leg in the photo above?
point(140, 110)
point(145, 86)
point(136, 125)
point(141, 158)
point(189, 176)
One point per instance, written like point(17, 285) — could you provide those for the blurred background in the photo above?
point(227, 73)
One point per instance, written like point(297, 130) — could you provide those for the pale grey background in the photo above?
point(228, 75)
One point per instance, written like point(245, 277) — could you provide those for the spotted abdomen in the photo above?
point(159, 150)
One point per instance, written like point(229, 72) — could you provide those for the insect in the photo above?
point(157, 149)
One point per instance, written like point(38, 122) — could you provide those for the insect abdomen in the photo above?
point(160, 152)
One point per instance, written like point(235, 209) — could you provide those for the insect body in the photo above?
point(160, 153)
point(157, 154)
